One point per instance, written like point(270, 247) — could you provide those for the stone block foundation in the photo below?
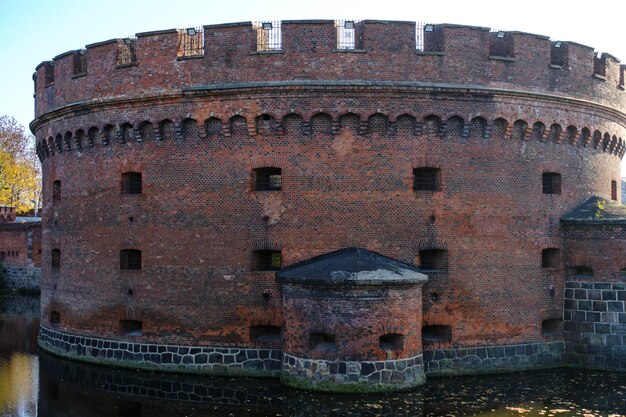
point(595, 324)
point(24, 278)
point(353, 376)
point(165, 358)
point(490, 359)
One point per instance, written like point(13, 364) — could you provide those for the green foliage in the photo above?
point(600, 207)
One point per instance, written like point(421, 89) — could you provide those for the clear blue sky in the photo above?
point(32, 31)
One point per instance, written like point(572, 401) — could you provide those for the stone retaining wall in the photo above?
point(21, 277)
point(353, 376)
point(19, 305)
point(356, 376)
point(205, 360)
point(488, 359)
point(595, 324)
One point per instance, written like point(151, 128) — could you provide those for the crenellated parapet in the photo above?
point(173, 61)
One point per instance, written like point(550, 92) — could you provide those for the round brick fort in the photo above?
point(345, 205)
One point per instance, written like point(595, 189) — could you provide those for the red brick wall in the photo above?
point(14, 244)
point(198, 219)
point(601, 248)
point(356, 316)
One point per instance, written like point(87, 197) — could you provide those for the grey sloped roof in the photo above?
point(596, 210)
point(24, 219)
point(351, 266)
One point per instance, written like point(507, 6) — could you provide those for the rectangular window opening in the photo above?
point(349, 34)
point(436, 333)
point(126, 55)
point(391, 341)
point(130, 259)
point(266, 260)
point(433, 260)
point(131, 183)
point(599, 65)
point(426, 179)
point(322, 342)
point(190, 42)
point(55, 317)
point(56, 259)
point(131, 327)
point(56, 191)
point(550, 258)
point(268, 36)
point(614, 190)
point(428, 37)
point(265, 334)
point(49, 73)
point(267, 179)
point(501, 44)
point(558, 55)
point(551, 183)
point(79, 62)
point(551, 327)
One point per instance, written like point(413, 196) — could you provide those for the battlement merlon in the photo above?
point(7, 214)
point(372, 50)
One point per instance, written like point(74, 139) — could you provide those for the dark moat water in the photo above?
point(33, 383)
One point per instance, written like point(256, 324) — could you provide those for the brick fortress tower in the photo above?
point(184, 170)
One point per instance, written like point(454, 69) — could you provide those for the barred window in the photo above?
point(130, 259)
point(268, 36)
point(349, 34)
point(190, 42)
point(426, 179)
point(551, 183)
point(126, 55)
point(429, 37)
point(267, 179)
point(131, 183)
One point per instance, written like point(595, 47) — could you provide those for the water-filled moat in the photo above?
point(33, 383)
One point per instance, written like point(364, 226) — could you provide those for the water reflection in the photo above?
point(47, 386)
point(19, 368)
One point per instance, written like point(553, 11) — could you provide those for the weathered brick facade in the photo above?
point(20, 250)
point(489, 126)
